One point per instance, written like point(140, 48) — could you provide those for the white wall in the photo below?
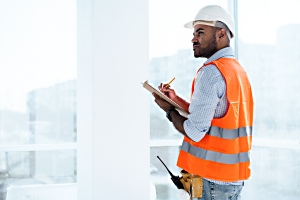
point(113, 110)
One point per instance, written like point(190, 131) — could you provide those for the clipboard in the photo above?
point(151, 89)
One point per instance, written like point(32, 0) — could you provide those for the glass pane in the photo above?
point(276, 169)
point(35, 168)
point(37, 80)
point(37, 90)
point(165, 189)
point(270, 55)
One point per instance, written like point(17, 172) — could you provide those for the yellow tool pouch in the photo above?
point(193, 184)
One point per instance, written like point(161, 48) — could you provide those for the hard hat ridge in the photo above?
point(212, 14)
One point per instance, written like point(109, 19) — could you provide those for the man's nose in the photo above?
point(194, 39)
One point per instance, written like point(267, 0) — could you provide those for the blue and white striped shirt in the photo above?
point(209, 98)
point(208, 101)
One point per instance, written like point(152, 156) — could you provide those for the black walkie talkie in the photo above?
point(175, 179)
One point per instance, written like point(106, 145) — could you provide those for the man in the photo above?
point(218, 130)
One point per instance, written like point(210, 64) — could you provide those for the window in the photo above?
point(37, 93)
point(267, 46)
point(90, 142)
point(171, 55)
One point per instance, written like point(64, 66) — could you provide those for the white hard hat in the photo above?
point(210, 15)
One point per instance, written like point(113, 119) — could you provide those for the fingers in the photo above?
point(161, 103)
point(156, 99)
point(155, 95)
point(165, 88)
point(161, 86)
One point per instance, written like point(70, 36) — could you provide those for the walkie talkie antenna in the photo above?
point(165, 166)
point(175, 179)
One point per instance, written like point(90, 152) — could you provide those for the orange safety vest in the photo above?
point(223, 153)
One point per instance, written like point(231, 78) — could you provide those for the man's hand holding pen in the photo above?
point(173, 115)
point(166, 90)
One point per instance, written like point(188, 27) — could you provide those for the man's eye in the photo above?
point(197, 33)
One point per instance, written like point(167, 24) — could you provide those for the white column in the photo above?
point(113, 108)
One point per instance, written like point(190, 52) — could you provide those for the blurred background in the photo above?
point(38, 133)
point(38, 95)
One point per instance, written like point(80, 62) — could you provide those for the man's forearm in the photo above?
point(183, 103)
point(178, 121)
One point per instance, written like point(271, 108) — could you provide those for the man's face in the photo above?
point(204, 41)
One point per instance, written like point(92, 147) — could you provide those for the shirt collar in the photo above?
point(225, 52)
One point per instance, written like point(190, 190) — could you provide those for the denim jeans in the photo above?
point(213, 191)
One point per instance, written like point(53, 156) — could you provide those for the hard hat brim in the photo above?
point(189, 25)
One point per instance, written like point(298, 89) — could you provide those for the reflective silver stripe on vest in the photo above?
point(230, 133)
point(215, 156)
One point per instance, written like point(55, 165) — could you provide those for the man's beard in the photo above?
point(206, 51)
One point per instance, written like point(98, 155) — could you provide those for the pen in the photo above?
point(168, 84)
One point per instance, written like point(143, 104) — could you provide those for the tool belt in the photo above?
point(193, 184)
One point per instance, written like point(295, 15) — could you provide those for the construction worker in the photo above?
point(214, 156)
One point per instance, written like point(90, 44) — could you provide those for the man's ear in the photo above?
point(221, 33)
